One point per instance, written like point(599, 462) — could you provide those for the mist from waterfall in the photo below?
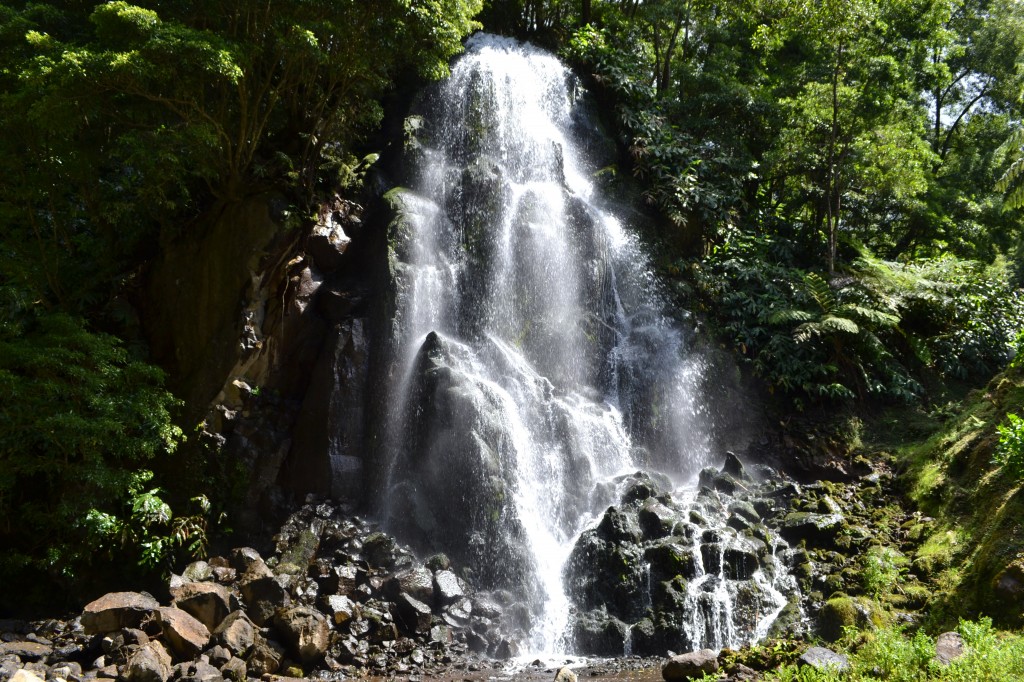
point(533, 357)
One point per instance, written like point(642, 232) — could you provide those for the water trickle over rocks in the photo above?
point(534, 366)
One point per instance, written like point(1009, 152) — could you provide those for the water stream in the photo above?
point(534, 361)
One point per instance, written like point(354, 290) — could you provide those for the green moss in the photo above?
point(844, 612)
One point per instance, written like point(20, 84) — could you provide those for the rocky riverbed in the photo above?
point(337, 598)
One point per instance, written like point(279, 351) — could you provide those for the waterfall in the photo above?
point(533, 359)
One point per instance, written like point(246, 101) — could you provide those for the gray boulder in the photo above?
point(209, 603)
point(693, 665)
point(565, 674)
point(949, 646)
point(263, 596)
point(196, 671)
point(117, 610)
point(820, 658)
point(185, 635)
point(26, 651)
point(236, 633)
point(23, 675)
point(416, 582)
point(305, 632)
point(265, 658)
point(235, 670)
point(340, 609)
point(327, 244)
point(448, 587)
point(149, 663)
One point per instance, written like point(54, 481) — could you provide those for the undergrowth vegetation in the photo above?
point(898, 656)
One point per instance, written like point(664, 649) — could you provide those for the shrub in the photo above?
point(1009, 453)
point(79, 419)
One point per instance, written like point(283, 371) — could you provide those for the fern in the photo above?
point(1012, 181)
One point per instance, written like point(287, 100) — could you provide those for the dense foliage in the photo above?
point(836, 169)
point(122, 125)
point(892, 654)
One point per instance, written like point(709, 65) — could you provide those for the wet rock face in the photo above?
point(661, 572)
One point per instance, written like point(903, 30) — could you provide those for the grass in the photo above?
point(893, 655)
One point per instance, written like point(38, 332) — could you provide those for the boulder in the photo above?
point(265, 658)
point(413, 615)
point(185, 635)
point(234, 670)
point(197, 571)
point(305, 632)
point(243, 557)
point(347, 579)
point(236, 633)
point(949, 646)
point(565, 674)
point(149, 663)
point(117, 610)
point(196, 671)
point(340, 609)
point(26, 651)
point(416, 582)
point(379, 550)
point(598, 634)
point(263, 596)
point(327, 244)
point(448, 587)
point(23, 675)
point(820, 658)
point(691, 666)
point(734, 467)
point(207, 602)
point(816, 529)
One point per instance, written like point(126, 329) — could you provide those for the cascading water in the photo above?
point(533, 361)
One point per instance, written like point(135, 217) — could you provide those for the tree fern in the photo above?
point(1012, 181)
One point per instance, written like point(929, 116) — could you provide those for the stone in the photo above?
point(117, 610)
point(690, 666)
point(265, 658)
point(26, 651)
point(598, 634)
point(23, 675)
point(305, 632)
point(413, 615)
point(438, 562)
point(185, 636)
point(734, 467)
point(242, 558)
point(417, 582)
point(207, 602)
point(379, 550)
point(327, 244)
point(448, 587)
point(506, 649)
point(263, 596)
point(816, 529)
point(219, 655)
point(340, 609)
point(199, 671)
point(149, 663)
point(197, 571)
point(949, 646)
point(347, 579)
point(236, 633)
point(820, 658)
point(565, 674)
point(71, 671)
point(235, 669)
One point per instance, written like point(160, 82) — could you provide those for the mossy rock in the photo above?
point(843, 611)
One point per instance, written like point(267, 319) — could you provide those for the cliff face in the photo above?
point(256, 325)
